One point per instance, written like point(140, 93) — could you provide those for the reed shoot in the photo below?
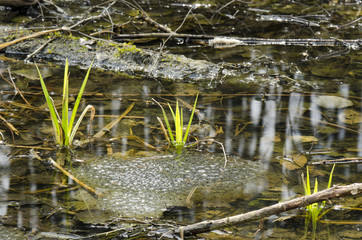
point(64, 131)
point(179, 135)
point(314, 210)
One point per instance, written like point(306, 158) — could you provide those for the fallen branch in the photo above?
point(354, 160)
point(327, 194)
point(33, 35)
point(224, 42)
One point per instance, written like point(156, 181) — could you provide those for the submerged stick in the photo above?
point(73, 178)
point(113, 123)
point(327, 194)
point(35, 155)
point(10, 126)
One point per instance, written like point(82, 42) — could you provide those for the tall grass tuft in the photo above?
point(180, 135)
point(314, 210)
point(64, 131)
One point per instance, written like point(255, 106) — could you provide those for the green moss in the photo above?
point(125, 48)
point(51, 50)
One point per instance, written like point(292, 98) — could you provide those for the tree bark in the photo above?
point(327, 194)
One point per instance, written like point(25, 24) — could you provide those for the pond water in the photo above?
point(248, 147)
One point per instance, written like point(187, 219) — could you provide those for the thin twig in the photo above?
point(80, 183)
point(38, 49)
point(17, 90)
point(11, 127)
point(212, 140)
point(83, 185)
point(59, 9)
point(164, 130)
point(164, 42)
point(333, 125)
point(102, 14)
point(348, 24)
point(354, 160)
point(113, 123)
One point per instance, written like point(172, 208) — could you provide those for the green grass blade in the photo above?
point(315, 186)
point(181, 126)
point(65, 104)
point(308, 183)
point(173, 139)
point(304, 185)
point(190, 121)
point(52, 110)
point(167, 122)
point(77, 101)
point(330, 177)
point(178, 125)
point(76, 126)
point(171, 110)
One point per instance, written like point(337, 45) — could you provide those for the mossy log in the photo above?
point(129, 59)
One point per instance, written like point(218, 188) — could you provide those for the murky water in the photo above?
point(253, 139)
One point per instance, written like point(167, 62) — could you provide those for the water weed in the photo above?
point(64, 131)
point(314, 210)
point(178, 137)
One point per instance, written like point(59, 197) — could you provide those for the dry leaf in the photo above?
point(350, 116)
point(296, 162)
point(304, 139)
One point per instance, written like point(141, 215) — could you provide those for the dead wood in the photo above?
point(353, 160)
point(327, 194)
point(225, 42)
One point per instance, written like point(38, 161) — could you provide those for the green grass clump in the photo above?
point(178, 139)
point(64, 131)
point(314, 210)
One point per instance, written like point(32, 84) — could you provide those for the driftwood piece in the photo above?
point(327, 194)
point(225, 42)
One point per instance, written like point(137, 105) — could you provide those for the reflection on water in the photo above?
point(260, 133)
point(268, 135)
point(5, 179)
